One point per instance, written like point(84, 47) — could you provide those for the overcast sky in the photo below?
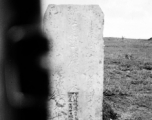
point(128, 18)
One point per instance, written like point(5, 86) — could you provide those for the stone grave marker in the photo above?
point(75, 33)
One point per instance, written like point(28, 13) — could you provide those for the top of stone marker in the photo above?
point(54, 9)
point(94, 7)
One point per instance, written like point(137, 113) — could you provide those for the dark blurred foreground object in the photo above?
point(24, 11)
point(25, 81)
point(30, 85)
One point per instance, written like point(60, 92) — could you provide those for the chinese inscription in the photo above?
point(73, 105)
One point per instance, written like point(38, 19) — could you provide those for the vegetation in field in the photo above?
point(127, 79)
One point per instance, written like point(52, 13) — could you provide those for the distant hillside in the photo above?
point(118, 38)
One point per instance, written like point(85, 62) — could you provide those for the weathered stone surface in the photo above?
point(76, 60)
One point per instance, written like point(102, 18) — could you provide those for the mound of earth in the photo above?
point(150, 39)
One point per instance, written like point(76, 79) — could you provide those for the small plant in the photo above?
point(147, 66)
point(129, 56)
point(122, 38)
point(108, 112)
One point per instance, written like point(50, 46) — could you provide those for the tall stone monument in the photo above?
point(75, 33)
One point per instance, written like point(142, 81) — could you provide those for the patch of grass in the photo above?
point(128, 79)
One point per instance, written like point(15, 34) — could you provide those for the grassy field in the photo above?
point(127, 79)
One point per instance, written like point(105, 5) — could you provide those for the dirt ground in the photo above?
point(127, 79)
